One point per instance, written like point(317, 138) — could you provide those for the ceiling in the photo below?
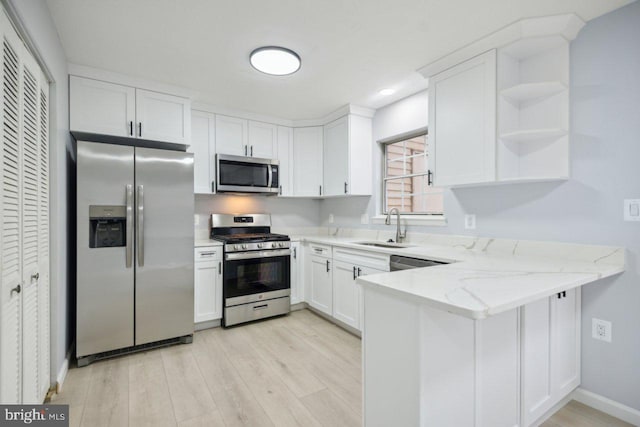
point(350, 49)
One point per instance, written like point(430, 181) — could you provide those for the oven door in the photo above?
point(247, 174)
point(256, 276)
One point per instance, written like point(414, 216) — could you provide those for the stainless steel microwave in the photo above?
point(238, 174)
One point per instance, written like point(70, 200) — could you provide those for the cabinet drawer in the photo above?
point(208, 254)
point(362, 258)
point(320, 250)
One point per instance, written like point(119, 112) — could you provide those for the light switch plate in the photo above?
point(632, 209)
point(470, 222)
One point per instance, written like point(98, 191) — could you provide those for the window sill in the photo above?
point(425, 220)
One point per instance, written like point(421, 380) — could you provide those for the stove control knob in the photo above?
point(281, 244)
point(260, 245)
point(244, 246)
point(274, 245)
point(235, 247)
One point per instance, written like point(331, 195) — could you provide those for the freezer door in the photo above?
point(164, 239)
point(105, 284)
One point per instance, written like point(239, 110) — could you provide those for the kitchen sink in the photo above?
point(388, 245)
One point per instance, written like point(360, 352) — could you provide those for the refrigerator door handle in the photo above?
point(140, 225)
point(129, 231)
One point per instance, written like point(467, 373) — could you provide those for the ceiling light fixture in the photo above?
point(387, 92)
point(275, 60)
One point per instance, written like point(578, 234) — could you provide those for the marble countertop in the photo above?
point(199, 243)
point(487, 276)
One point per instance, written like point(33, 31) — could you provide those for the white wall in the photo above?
point(37, 23)
point(285, 213)
point(605, 153)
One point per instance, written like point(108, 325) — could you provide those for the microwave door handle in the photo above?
point(269, 175)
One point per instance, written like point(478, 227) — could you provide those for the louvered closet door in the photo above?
point(30, 130)
point(10, 224)
point(44, 341)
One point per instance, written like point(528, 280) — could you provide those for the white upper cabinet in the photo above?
point(163, 117)
point(262, 140)
point(336, 157)
point(232, 136)
point(101, 107)
point(502, 115)
point(118, 110)
point(462, 122)
point(307, 161)
point(347, 157)
point(285, 156)
point(203, 149)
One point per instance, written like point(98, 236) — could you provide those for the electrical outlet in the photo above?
point(364, 218)
point(601, 330)
point(470, 222)
point(331, 219)
point(632, 209)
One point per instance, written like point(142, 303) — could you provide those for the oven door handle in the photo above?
point(257, 254)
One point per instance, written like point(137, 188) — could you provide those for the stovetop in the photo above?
point(250, 237)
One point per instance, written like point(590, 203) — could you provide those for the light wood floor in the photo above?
point(298, 370)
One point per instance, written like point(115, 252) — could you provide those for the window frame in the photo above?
point(419, 217)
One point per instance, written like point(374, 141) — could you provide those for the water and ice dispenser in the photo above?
point(107, 226)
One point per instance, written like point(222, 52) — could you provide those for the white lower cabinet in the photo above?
point(318, 276)
point(208, 284)
point(346, 298)
point(297, 282)
point(550, 352)
point(330, 280)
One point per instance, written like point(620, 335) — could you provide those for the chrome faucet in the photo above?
point(399, 235)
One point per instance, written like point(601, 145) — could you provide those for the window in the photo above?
point(406, 177)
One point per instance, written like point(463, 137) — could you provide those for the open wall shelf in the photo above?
point(528, 135)
point(526, 92)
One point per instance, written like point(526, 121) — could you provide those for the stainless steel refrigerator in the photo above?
point(134, 247)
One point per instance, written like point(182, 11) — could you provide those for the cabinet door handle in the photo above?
point(355, 274)
point(320, 192)
point(219, 267)
point(345, 187)
point(245, 150)
point(295, 253)
point(281, 190)
point(251, 151)
point(131, 128)
point(35, 276)
point(429, 177)
point(140, 129)
point(213, 186)
point(559, 295)
point(359, 271)
point(17, 290)
point(327, 266)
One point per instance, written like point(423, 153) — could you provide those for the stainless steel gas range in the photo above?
point(257, 267)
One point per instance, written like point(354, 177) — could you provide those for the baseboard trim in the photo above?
point(555, 408)
point(62, 373)
point(606, 405)
point(207, 325)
